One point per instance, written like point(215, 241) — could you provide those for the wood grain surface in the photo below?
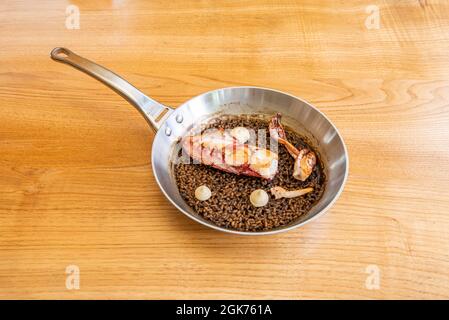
point(76, 186)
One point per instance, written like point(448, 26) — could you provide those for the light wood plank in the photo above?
point(75, 176)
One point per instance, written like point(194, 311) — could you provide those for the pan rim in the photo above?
point(257, 233)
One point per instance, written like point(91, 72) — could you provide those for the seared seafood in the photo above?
point(219, 149)
point(305, 159)
point(279, 192)
point(231, 204)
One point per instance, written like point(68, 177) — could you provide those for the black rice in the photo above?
point(229, 205)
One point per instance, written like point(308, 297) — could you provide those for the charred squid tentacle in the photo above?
point(305, 160)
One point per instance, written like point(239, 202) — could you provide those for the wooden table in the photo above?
point(76, 186)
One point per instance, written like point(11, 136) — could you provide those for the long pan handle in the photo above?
point(154, 112)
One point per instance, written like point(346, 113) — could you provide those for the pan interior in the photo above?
point(297, 114)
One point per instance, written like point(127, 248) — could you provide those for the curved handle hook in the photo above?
point(154, 112)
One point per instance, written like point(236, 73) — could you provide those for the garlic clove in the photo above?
point(259, 198)
point(241, 134)
point(203, 193)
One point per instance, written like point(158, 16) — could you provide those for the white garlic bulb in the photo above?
point(203, 193)
point(241, 134)
point(259, 198)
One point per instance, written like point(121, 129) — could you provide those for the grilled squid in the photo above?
point(219, 149)
point(279, 192)
point(305, 159)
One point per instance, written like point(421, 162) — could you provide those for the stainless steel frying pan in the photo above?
point(171, 124)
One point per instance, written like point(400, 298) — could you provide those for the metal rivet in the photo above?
point(179, 118)
point(168, 131)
